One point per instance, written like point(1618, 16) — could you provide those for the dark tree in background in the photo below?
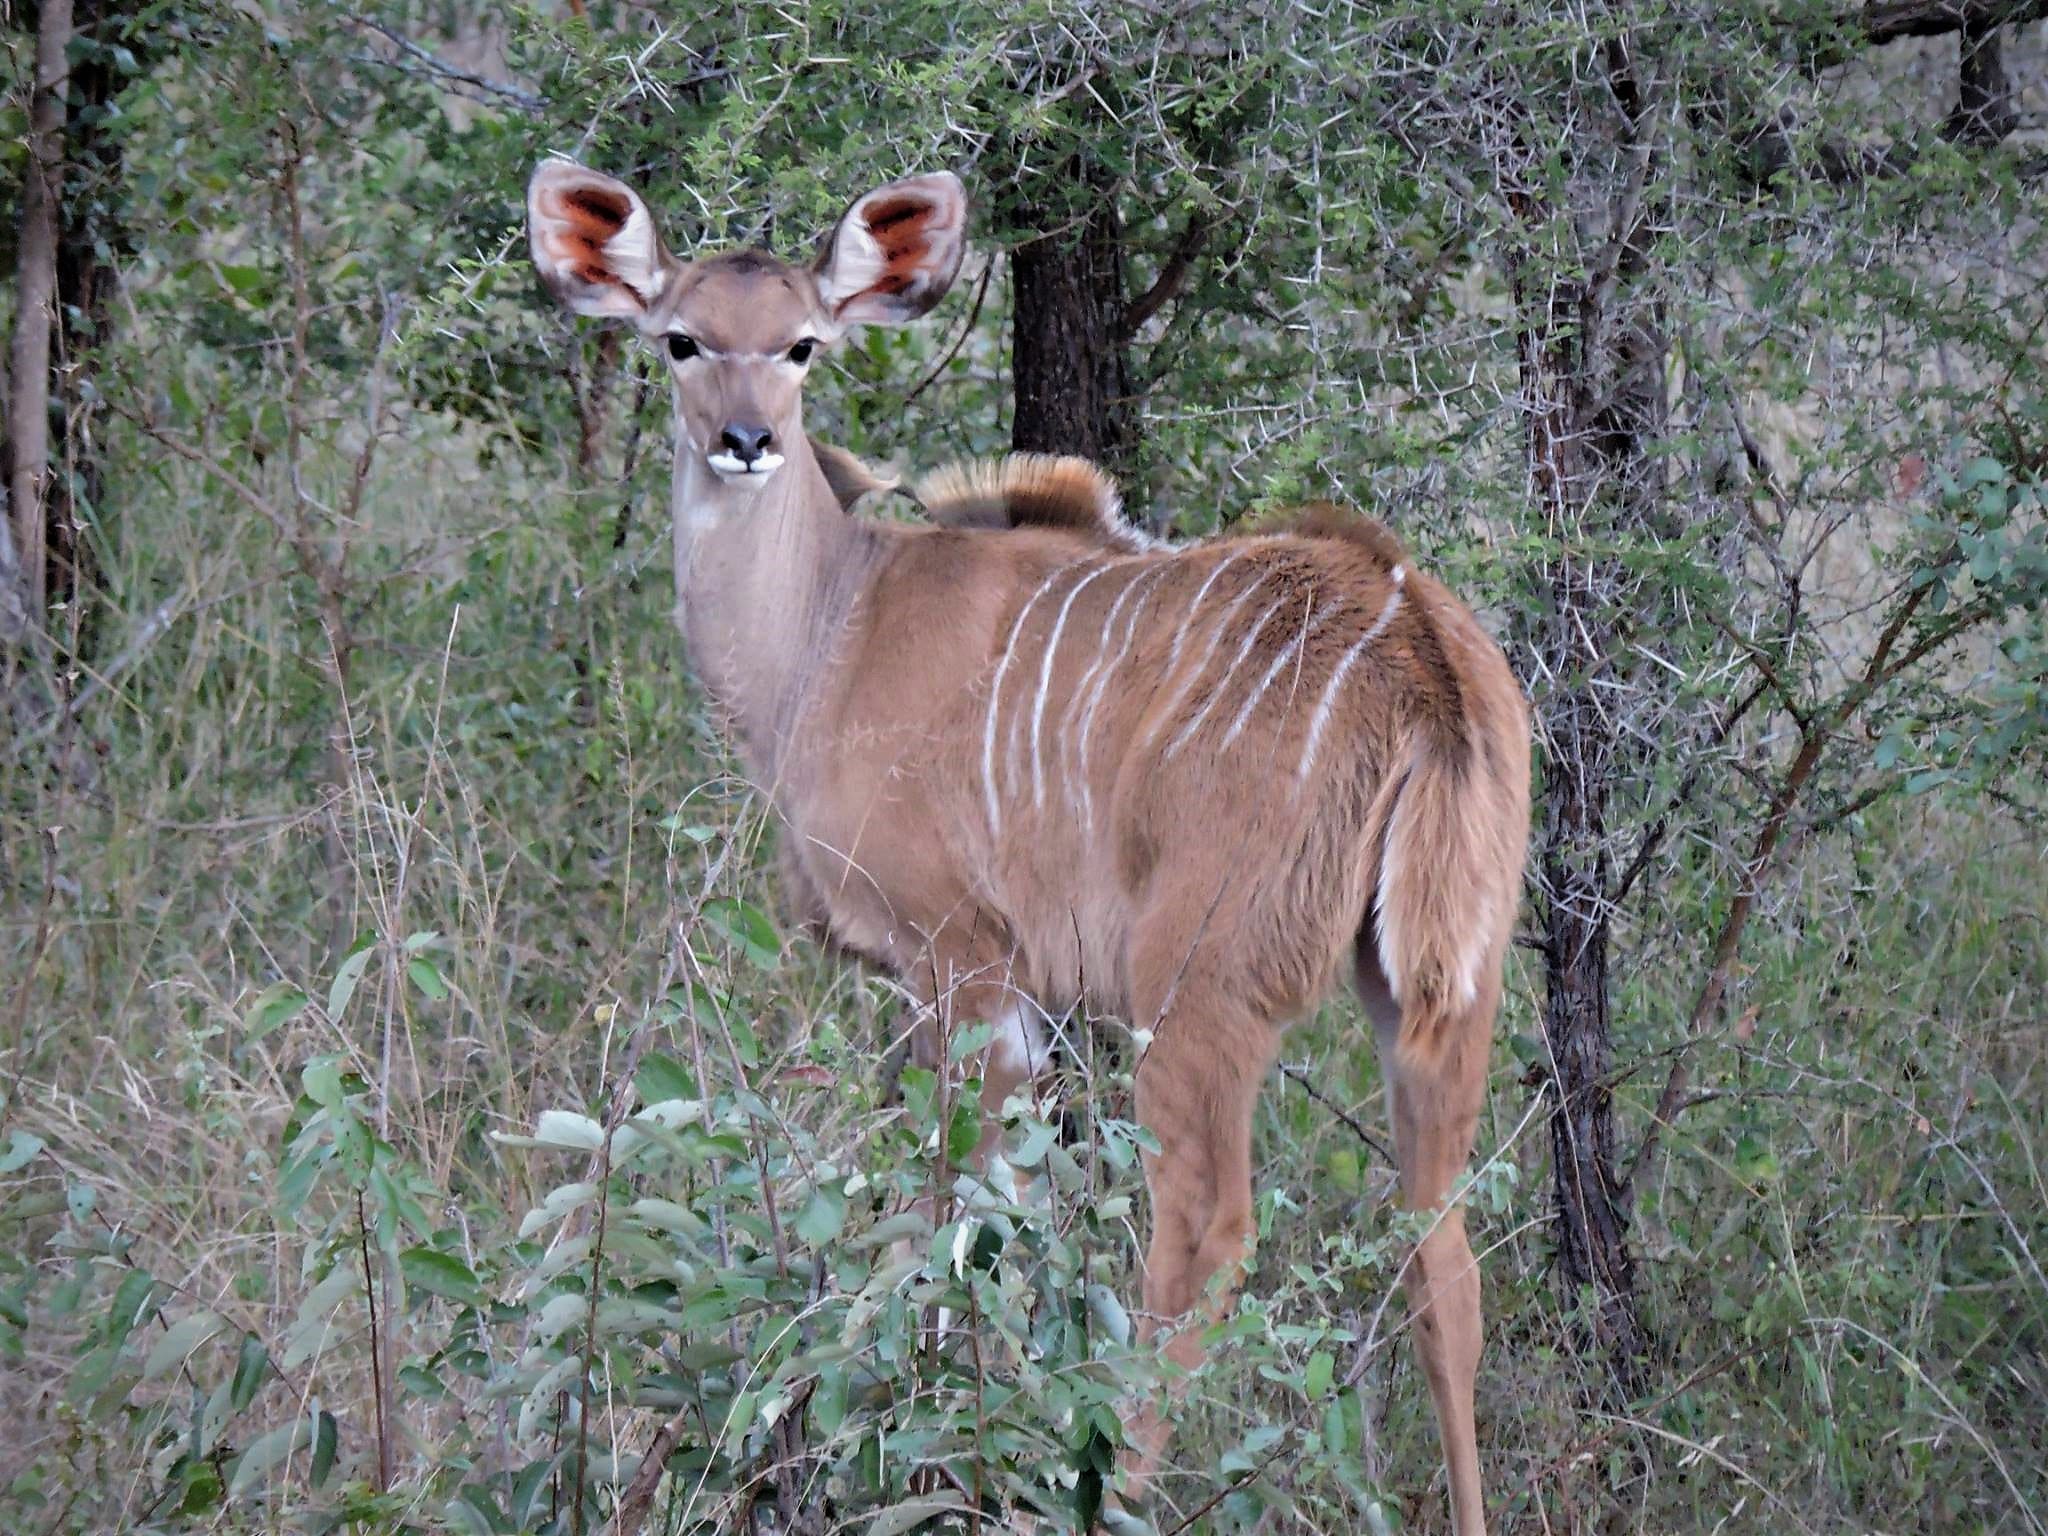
point(1069, 336)
point(35, 311)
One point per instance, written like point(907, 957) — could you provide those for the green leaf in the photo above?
point(912, 1513)
point(320, 1078)
point(1037, 1140)
point(275, 1006)
point(202, 1488)
point(559, 1128)
point(667, 1216)
point(347, 974)
point(1754, 1160)
point(747, 927)
point(314, 1324)
point(265, 1453)
point(326, 1440)
point(245, 281)
point(441, 1274)
point(177, 1343)
point(919, 1087)
point(828, 1403)
point(823, 1214)
point(560, 1202)
point(969, 1041)
point(22, 1149)
point(964, 1134)
point(1109, 1313)
point(1322, 1369)
point(252, 1366)
point(426, 978)
point(662, 1078)
point(135, 1301)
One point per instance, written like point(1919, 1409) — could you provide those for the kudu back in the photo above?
point(1027, 758)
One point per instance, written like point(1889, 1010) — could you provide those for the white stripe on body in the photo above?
point(1251, 638)
point(1015, 732)
point(1287, 653)
point(1328, 702)
point(995, 694)
point(1194, 673)
point(1180, 636)
point(1088, 699)
point(1052, 645)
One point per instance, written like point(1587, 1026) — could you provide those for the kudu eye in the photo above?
point(680, 347)
point(801, 352)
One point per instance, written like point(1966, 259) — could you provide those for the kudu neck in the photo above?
point(765, 579)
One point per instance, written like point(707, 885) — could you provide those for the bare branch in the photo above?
point(1984, 112)
point(440, 69)
point(1172, 278)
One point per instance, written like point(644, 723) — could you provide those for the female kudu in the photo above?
point(1034, 748)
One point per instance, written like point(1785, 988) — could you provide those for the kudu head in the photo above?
point(741, 328)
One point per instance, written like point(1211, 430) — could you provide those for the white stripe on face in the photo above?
point(995, 694)
point(1328, 702)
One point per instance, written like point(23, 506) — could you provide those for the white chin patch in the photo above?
point(733, 471)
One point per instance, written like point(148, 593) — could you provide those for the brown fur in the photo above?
point(1041, 764)
point(849, 477)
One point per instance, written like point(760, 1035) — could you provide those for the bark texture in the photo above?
point(90, 241)
point(28, 409)
point(1068, 323)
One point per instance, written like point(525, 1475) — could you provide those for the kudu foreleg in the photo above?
point(1196, 1090)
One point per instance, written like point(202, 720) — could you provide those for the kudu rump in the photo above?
point(1028, 758)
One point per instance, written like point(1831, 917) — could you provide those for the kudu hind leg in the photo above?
point(1434, 1092)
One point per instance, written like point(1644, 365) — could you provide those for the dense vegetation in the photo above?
point(415, 1114)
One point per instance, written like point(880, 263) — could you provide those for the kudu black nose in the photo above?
point(747, 443)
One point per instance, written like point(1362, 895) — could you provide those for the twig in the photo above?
point(967, 330)
point(440, 68)
point(376, 1352)
point(1172, 278)
point(1295, 1074)
point(630, 1513)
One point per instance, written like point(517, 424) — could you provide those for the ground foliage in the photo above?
point(414, 1113)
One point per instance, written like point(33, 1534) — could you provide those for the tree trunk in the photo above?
point(1068, 351)
point(88, 236)
point(1591, 353)
point(1574, 647)
point(28, 411)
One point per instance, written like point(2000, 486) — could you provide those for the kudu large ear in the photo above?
point(594, 241)
point(893, 254)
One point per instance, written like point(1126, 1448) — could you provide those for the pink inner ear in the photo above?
point(886, 216)
point(902, 228)
point(586, 218)
point(598, 208)
point(589, 218)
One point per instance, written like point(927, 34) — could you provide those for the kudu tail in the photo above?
point(1452, 822)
